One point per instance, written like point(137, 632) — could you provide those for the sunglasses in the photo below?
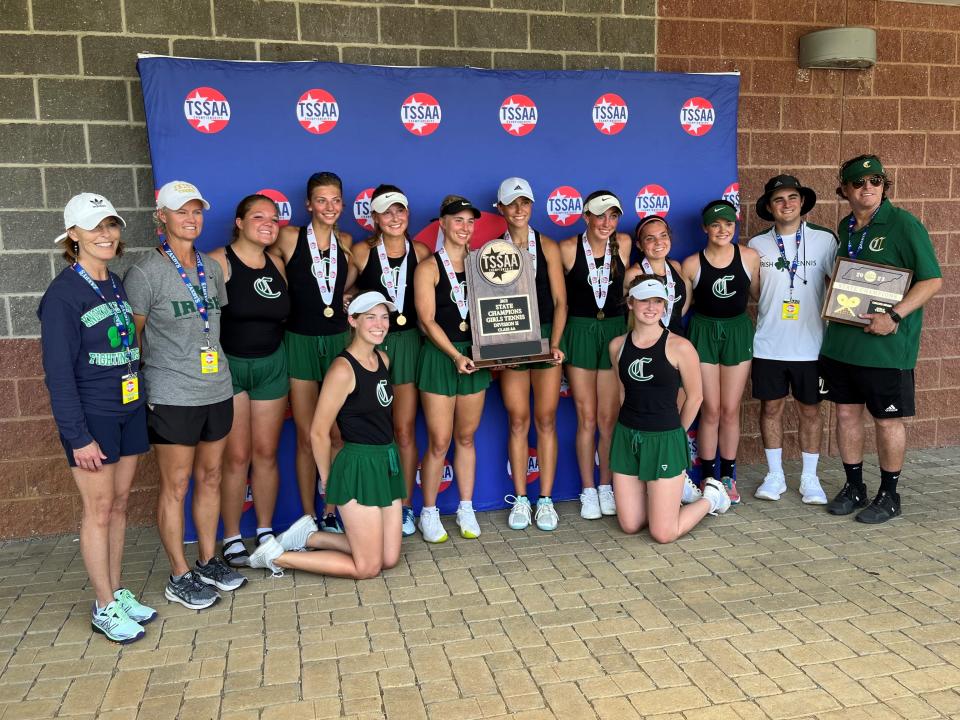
point(874, 180)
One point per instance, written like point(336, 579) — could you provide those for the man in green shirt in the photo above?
point(872, 366)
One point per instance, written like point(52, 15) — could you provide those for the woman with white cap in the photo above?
point(364, 480)
point(385, 263)
point(594, 263)
point(91, 361)
point(649, 455)
point(515, 202)
point(177, 294)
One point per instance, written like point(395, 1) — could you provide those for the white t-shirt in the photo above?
point(800, 339)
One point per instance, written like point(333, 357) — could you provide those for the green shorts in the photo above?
point(263, 378)
point(727, 341)
point(436, 372)
point(586, 341)
point(649, 455)
point(369, 474)
point(403, 349)
point(545, 332)
point(309, 356)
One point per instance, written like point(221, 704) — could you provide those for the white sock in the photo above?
point(810, 461)
point(428, 509)
point(466, 504)
point(605, 489)
point(774, 459)
point(589, 490)
point(230, 540)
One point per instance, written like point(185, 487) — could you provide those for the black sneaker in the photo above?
point(885, 506)
point(190, 592)
point(847, 500)
point(217, 573)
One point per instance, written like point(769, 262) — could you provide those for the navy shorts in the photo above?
point(117, 435)
point(189, 424)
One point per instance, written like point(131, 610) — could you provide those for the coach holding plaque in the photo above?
point(872, 365)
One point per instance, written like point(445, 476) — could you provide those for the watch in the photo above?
point(894, 316)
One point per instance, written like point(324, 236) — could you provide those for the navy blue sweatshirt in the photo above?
point(83, 358)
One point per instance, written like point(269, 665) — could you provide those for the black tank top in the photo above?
point(722, 292)
point(306, 304)
point(680, 293)
point(371, 278)
point(542, 278)
point(252, 322)
point(367, 414)
point(445, 311)
point(650, 386)
point(580, 300)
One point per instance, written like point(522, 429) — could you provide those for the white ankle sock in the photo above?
point(774, 459)
point(810, 461)
point(466, 504)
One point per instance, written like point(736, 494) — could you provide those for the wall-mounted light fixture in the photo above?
point(846, 48)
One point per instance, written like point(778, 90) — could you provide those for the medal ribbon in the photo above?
point(671, 286)
point(201, 303)
point(531, 245)
point(458, 294)
point(118, 311)
point(398, 291)
point(599, 279)
point(326, 282)
point(863, 235)
point(792, 266)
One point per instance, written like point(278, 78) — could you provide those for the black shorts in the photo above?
point(117, 435)
point(189, 424)
point(887, 392)
point(775, 379)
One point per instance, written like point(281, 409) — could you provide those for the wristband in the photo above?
point(894, 315)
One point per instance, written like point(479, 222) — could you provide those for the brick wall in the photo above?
point(906, 109)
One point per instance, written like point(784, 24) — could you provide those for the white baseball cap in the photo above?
point(177, 193)
point(512, 188)
point(86, 210)
point(364, 301)
point(601, 203)
point(648, 289)
point(381, 202)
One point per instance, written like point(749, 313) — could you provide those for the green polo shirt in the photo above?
point(895, 237)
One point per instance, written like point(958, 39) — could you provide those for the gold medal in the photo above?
point(401, 319)
point(328, 312)
point(600, 315)
point(463, 326)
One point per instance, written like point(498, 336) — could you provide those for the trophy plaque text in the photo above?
point(860, 287)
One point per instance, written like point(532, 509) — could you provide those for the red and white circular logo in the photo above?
point(283, 205)
point(652, 199)
point(361, 209)
point(317, 111)
point(518, 115)
point(732, 195)
point(446, 478)
point(420, 114)
point(610, 114)
point(697, 116)
point(206, 109)
point(533, 467)
point(564, 205)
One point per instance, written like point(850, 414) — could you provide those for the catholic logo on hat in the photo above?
point(518, 115)
point(652, 199)
point(207, 110)
point(317, 111)
point(283, 204)
point(446, 477)
point(732, 195)
point(533, 467)
point(697, 116)
point(361, 209)
point(564, 205)
point(610, 114)
point(420, 113)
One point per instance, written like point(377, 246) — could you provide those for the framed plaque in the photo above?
point(859, 287)
point(504, 318)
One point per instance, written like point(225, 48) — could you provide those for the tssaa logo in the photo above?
point(533, 467)
point(361, 209)
point(610, 114)
point(732, 195)
point(317, 111)
point(206, 109)
point(518, 115)
point(652, 199)
point(420, 114)
point(283, 205)
point(446, 478)
point(564, 205)
point(697, 116)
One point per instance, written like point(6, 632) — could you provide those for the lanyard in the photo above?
point(863, 235)
point(120, 319)
point(459, 296)
point(201, 303)
point(671, 286)
point(397, 291)
point(531, 245)
point(792, 266)
point(599, 279)
point(326, 281)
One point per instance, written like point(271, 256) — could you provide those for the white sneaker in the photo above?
point(774, 485)
point(608, 505)
point(519, 518)
point(467, 522)
point(590, 505)
point(811, 491)
point(716, 493)
point(691, 493)
point(265, 556)
point(546, 516)
point(430, 526)
point(295, 536)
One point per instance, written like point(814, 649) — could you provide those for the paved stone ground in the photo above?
point(775, 610)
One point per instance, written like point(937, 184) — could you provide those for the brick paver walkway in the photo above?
point(775, 610)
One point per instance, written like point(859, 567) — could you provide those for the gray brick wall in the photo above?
point(71, 115)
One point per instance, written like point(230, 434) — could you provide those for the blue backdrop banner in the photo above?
point(664, 143)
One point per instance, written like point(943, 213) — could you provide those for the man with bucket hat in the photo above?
point(796, 258)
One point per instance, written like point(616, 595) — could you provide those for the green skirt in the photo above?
point(586, 341)
point(309, 356)
point(369, 474)
point(437, 373)
point(403, 349)
point(649, 455)
point(262, 378)
point(724, 341)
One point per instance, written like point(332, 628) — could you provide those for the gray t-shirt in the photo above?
point(173, 334)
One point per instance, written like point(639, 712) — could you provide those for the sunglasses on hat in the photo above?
point(874, 180)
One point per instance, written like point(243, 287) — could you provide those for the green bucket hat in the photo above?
point(718, 210)
point(869, 165)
